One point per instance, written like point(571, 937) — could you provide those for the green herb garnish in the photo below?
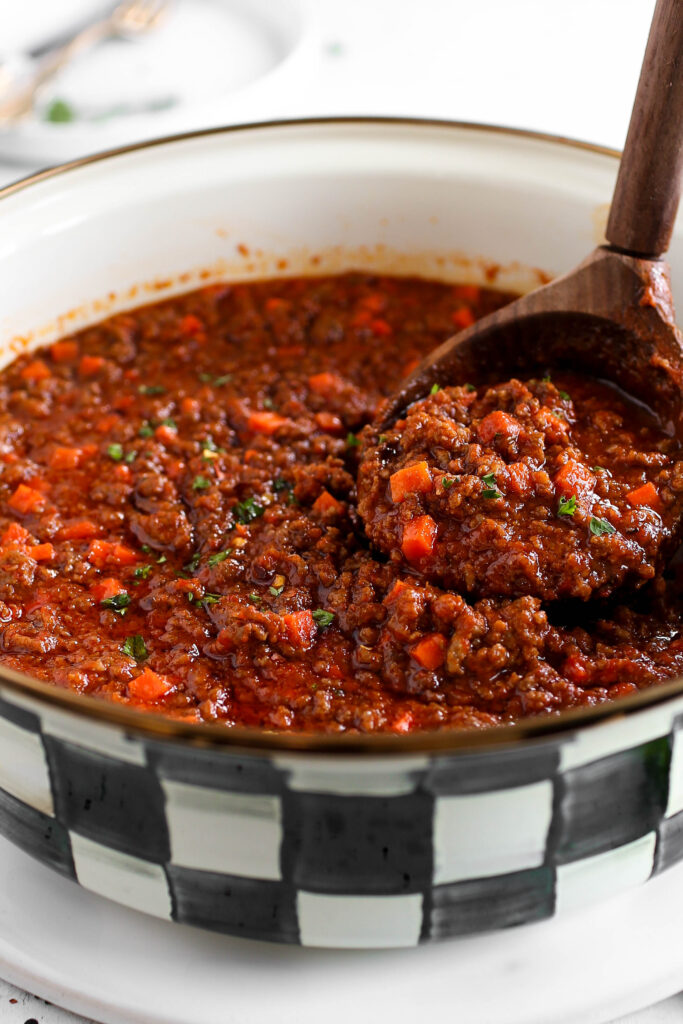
point(255, 598)
point(135, 647)
point(470, 387)
point(146, 430)
point(599, 527)
point(565, 395)
point(151, 389)
point(161, 559)
point(115, 452)
point(200, 483)
point(382, 439)
point(281, 485)
point(131, 457)
point(446, 483)
point(211, 598)
point(435, 388)
point(220, 381)
point(247, 510)
point(275, 591)
point(59, 112)
point(118, 603)
point(567, 506)
point(352, 441)
point(490, 489)
point(171, 423)
point(219, 557)
point(193, 563)
point(142, 572)
point(322, 618)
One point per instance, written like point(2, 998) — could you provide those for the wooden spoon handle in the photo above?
point(648, 186)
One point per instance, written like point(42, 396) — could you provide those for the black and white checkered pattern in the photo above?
point(329, 850)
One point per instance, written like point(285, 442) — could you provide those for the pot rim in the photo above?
point(251, 740)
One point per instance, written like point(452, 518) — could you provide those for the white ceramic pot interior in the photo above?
point(445, 201)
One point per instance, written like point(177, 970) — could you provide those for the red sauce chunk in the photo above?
point(197, 520)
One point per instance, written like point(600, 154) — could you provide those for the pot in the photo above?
point(331, 840)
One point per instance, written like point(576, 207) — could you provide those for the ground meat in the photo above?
point(558, 489)
point(180, 528)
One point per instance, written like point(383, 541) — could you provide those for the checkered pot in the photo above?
point(342, 848)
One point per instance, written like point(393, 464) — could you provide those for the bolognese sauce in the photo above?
point(180, 527)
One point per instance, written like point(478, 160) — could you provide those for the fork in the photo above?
point(129, 19)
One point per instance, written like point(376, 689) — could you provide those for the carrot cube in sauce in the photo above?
point(419, 538)
point(26, 499)
point(149, 686)
point(645, 495)
point(415, 479)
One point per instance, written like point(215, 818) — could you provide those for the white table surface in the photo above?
point(565, 68)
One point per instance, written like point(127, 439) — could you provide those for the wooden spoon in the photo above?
point(612, 316)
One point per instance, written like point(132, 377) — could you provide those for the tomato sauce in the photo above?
point(180, 528)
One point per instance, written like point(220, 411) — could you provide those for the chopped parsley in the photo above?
point(446, 483)
point(161, 559)
point(352, 441)
point(135, 647)
point(382, 439)
point(142, 572)
point(565, 395)
point(255, 598)
point(193, 563)
point(131, 457)
point(115, 452)
point(218, 382)
point(567, 506)
point(275, 591)
point(59, 112)
point(247, 510)
point(322, 618)
point(152, 389)
point(599, 527)
point(279, 484)
point(201, 483)
point(211, 598)
point(170, 423)
point(435, 388)
point(490, 488)
point(118, 603)
point(146, 430)
point(470, 387)
point(598, 469)
point(219, 557)
point(268, 403)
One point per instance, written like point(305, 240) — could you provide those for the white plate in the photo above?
point(121, 967)
point(203, 57)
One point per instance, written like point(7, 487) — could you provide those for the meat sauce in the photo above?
point(180, 529)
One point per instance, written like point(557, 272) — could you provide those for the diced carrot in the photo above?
point(380, 328)
point(190, 406)
point(107, 423)
point(149, 686)
point(415, 479)
point(122, 472)
point(403, 724)
point(329, 422)
point(66, 458)
point(190, 326)
point(123, 402)
point(15, 536)
point(430, 652)
point(375, 302)
point(325, 502)
point(90, 365)
point(398, 588)
point(102, 590)
point(498, 422)
point(467, 292)
point(26, 499)
point(519, 479)
point(37, 370)
point(300, 628)
point(419, 538)
point(64, 351)
point(325, 383)
point(166, 434)
point(275, 305)
point(104, 552)
point(82, 530)
point(42, 552)
point(574, 478)
point(462, 318)
point(645, 495)
point(265, 422)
